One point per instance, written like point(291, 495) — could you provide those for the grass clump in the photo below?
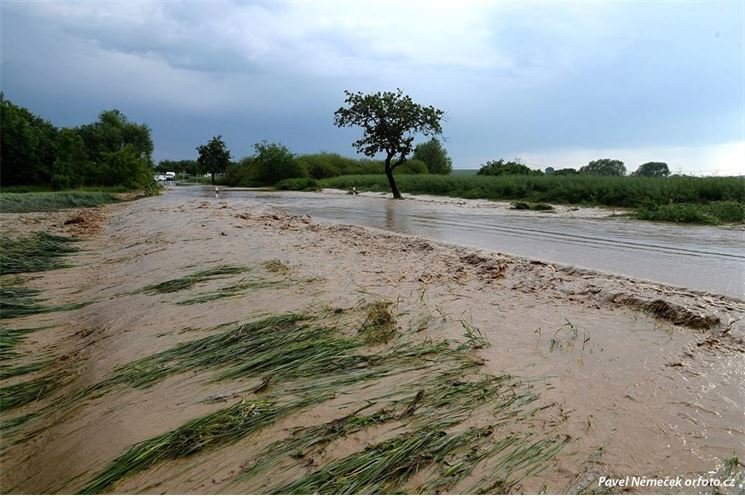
point(216, 429)
point(234, 290)
point(181, 283)
point(17, 370)
point(12, 423)
point(379, 325)
point(51, 201)
point(277, 266)
point(41, 251)
point(475, 339)
point(22, 393)
point(19, 301)
point(521, 205)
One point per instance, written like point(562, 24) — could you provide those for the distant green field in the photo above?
point(704, 200)
point(464, 172)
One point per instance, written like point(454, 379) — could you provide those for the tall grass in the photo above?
point(50, 201)
point(41, 251)
point(632, 192)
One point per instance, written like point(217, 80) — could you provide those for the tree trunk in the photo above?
point(213, 178)
point(391, 180)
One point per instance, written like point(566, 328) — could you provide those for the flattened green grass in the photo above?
point(219, 428)
point(23, 393)
point(181, 283)
point(300, 362)
point(51, 201)
point(39, 252)
point(19, 301)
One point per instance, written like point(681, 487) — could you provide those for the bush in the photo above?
point(711, 213)
point(434, 155)
point(298, 184)
point(274, 162)
point(502, 168)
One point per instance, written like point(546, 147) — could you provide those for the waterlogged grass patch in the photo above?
point(51, 201)
point(379, 325)
point(297, 361)
point(19, 301)
point(23, 393)
point(39, 252)
point(276, 266)
point(181, 283)
point(216, 429)
point(7, 372)
point(235, 290)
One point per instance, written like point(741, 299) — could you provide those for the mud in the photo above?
point(645, 379)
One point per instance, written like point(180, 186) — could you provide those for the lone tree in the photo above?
point(214, 157)
point(390, 121)
point(652, 169)
point(604, 167)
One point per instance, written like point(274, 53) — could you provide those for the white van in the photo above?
point(170, 176)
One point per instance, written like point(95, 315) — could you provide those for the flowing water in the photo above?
point(704, 258)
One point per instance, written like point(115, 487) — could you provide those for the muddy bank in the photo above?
point(625, 377)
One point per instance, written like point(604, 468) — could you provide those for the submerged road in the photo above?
point(704, 258)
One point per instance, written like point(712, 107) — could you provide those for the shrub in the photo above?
point(298, 184)
point(275, 162)
point(502, 168)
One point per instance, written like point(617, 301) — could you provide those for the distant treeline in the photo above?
point(109, 152)
point(274, 162)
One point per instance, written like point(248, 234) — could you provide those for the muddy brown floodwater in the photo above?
point(697, 257)
point(639, 378)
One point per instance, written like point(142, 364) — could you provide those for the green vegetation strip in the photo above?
point(186, 282)
point(41, 251)
point(706, 200)
point(51, 201)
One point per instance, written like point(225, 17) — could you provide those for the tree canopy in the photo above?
point(214, 156)
point(502, 168)
point(274, 162)
point(604, 167)
point(111, 151)
point(390, 122)
point(435, 156)
point(652, 169)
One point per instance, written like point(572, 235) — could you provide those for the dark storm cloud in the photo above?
point(552, 82)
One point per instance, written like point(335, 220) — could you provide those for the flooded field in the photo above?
point(704, 258)
point(227, 345)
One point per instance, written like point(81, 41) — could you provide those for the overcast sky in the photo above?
point(556, 84)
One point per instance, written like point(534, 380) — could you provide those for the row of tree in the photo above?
point(274, 162)
point(600, 167)
point(109, 152)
